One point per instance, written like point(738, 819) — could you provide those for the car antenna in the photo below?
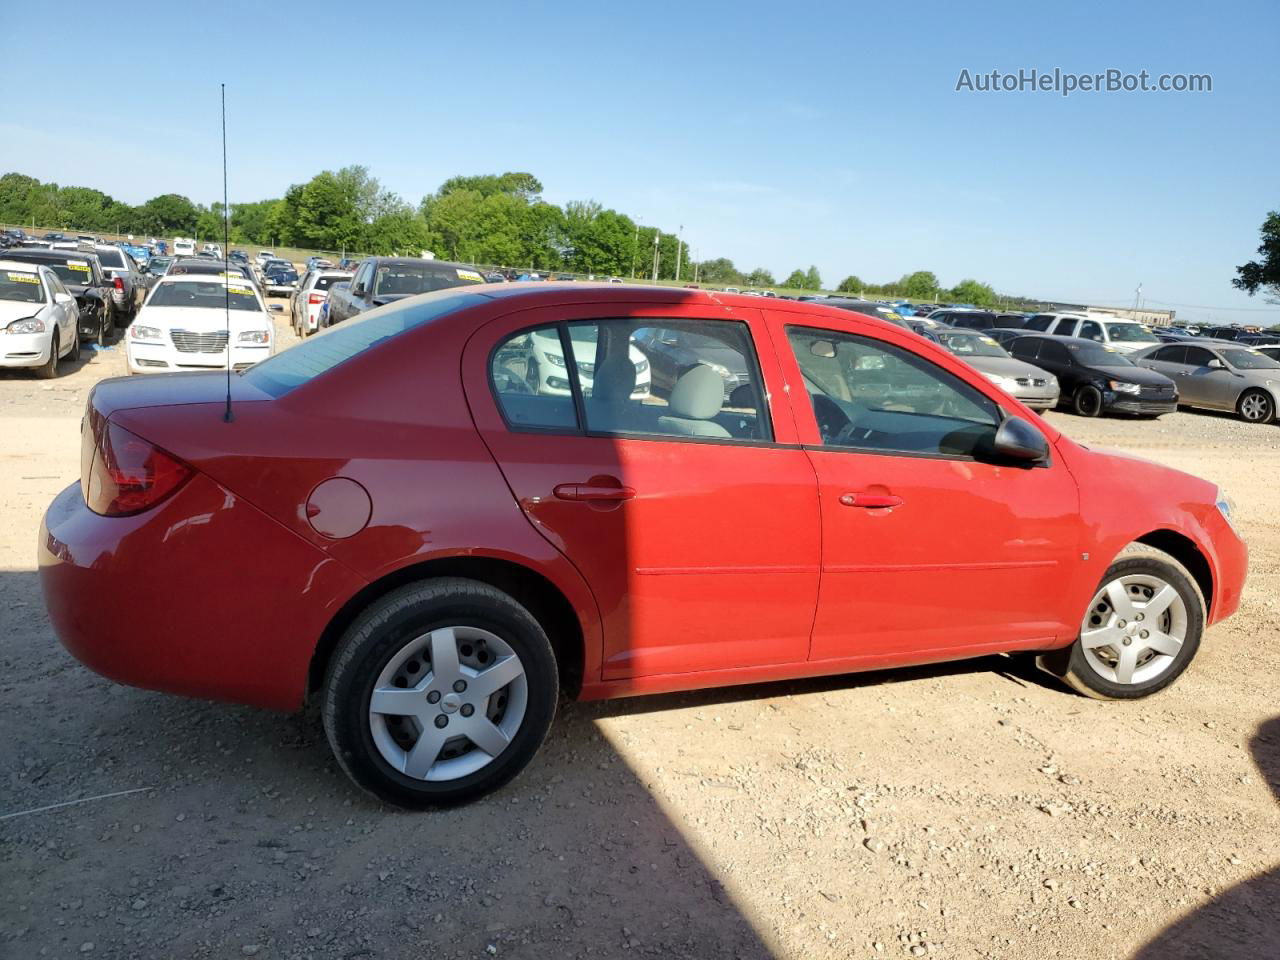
point(227, 416)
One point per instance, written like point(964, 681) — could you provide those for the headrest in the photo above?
point(698, 394)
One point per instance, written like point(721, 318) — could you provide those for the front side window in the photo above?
point(1198, 356)
point(1066, 326)
point(871, 395)
point(1091, 331)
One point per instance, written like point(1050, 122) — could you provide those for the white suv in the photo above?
point(1127, 336)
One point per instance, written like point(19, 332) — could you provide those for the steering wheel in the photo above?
point(832, 421)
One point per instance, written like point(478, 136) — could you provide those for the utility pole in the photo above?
point(656, 235)
point(635, 250)
point(696, 264)
point(679, 243)
point(1137, 296)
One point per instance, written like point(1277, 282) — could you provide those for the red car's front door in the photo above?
point(931, 549)
point(692, 515)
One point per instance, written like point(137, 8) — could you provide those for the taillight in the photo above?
point(128, 474)
point(315, 298)
point(119, 282)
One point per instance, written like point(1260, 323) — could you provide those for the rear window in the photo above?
point(324, 283)
point(319, 354)
point(408, 279)
point(110, 258)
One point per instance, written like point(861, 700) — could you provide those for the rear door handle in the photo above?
point(870, 500)
point(592, 491)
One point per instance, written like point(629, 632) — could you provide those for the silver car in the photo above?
point(1036, 388)
point(1219, 375)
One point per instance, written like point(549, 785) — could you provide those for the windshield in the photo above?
point(21, 286)
point(278, 268)
point(1249, 360)
point(110, 257)
point(1129, 333)
point(158, 265)
point(316, 355)
point(211, 296)
point(407, 279)
point(1096, 355)
point(971, 345)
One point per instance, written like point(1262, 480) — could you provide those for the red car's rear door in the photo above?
point(697, 528)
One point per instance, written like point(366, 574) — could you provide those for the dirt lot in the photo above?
point(969, 810)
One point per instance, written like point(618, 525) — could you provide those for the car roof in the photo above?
point(41, 255)
point(413, 261)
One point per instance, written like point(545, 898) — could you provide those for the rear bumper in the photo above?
point(171, 599)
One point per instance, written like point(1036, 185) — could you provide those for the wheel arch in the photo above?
point(1188, 553)
point(542, 598)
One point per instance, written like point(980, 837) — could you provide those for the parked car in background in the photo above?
point(318, 263)
point(968, 319)
point(156, 268)
point(1004, 335)
point(212, 249)
point(184, 326)
point(869, 307)
point(309, 298)
point(1035, 387)
point(1219, 375)
point(382, 280)
point(38, 319)
point(263, 256)
point(1095, 378)
point(1127, 336)
point(183, 247)
point(437, 572)
point(674, 351)
point(280, 278)
point(82, 275)
point(1269, 351)
point(130, 286)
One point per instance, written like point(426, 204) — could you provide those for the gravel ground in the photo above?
point(968, 810)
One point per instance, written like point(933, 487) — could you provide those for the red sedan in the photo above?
point(440, 516)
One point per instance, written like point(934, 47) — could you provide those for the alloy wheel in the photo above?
point(1135, 627)
point(1255, 407)
point(448, 703)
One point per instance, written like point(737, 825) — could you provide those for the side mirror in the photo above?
point(1216, 364)
point(1019, 440)
point(358, 291)
point(63, 298)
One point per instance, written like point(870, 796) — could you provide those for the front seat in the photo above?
point(697, 397)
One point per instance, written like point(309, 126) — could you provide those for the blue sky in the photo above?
point(778, 135)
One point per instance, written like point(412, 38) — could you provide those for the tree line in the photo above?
point(490, 219)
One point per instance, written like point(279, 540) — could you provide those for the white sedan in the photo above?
point(183, 326)
point(39, 319)
point(312, 292)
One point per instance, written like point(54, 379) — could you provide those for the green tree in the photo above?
point(971, 291)
point(170, 214)
point(760, 277)
point(1263, 274)
point(850, 284)
point(720, 270)
point(921, 285)
point(797, 280)
point(813, 279)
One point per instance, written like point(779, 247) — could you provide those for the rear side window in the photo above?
point(1066, 326)
point(1025, 348)
point(110, 258)
point(1090, 330)
point(1041, 321)
point(316, 355)
point(687, 379)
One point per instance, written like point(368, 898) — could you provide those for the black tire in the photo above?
point(1087, 401)
point(74, 354)
point(1256, 406)
point(49, 369)
point(384, 630)
point(1074, 667)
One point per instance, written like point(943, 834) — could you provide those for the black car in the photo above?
point(672, 352)
point(870, 308)
point(1096, 378)
point(130, 285)
point(1005, 335)
point(382, 280)
point(974, 319)
point(82, 275)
